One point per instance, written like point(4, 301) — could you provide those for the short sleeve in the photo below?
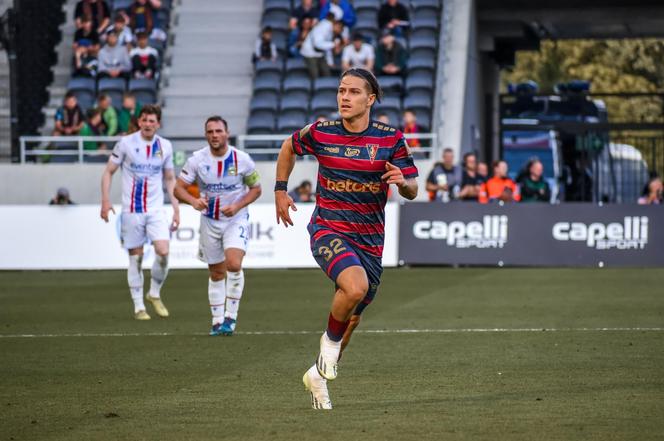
point(59, 115)
point(118, 153)
point(168, 158)
point(188, 172)
point(304, 142)
point(403, 159)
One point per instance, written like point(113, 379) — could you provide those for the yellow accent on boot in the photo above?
point(158, 305)
point(141, 315)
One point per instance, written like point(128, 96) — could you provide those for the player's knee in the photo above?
point(356, 290)
point(161, 251)
point(233, 266)
point(217, 275)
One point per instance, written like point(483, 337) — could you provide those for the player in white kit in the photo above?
point(228, 183)
point(147, 161)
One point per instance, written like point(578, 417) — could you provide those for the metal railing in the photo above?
point(36, 146)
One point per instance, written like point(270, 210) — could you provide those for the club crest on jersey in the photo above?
point(204, 169)
point(232, 171)
point(352, 152)
point(373, 150)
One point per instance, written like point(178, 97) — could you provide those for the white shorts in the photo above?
point(137, 228)
point(220, 235)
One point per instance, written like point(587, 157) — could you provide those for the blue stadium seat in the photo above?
point(82, 84)
point(122, 4)
point(418, 103)
point(420, 81)
point(367, 26)
point(391, 83)
point(277, 5)
point(113, 87)
point(261, 123)
point(366, 4)
point(418, 4)
point(367, 16)
point(393, 115)
point(294, 101)
point(428, 22)
point(84, 89)
point(392, 103)
point(290, 122)
point(296, 65)
point(321, 104)
point(292, 83)
point(263, 103)
point(267, 81)
point(276, 19)
point(424, 119)
point(326, 84)
point(421, 64)
point(268, 66)
point(145, 90)
point(416, 43)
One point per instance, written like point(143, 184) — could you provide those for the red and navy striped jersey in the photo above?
point(350, 195)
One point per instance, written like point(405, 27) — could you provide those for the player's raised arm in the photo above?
point(285, 164)
point(106, 179)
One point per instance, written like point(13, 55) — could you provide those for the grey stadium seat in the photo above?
point(268, 66)
point(418, 103)
point(113, 87)
point(292, 83)
point(290, 122)
point(294, 101)
point(321, 104)
point(296, 66)
point(145, 90)
point(421, 64)
point(420, 81)
point(326, 83)
point(389, 103)
point(84, 89)
point(261, 123)
point(390, 83)
point(276, 19)
point(277, 5)
point(267, 81)
point(268, 102)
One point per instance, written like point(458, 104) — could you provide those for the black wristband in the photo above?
point(281, 186)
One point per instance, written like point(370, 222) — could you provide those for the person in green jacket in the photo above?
point(108, 114)
point(128, 116)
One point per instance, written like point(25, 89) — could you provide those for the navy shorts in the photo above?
point(334, 253)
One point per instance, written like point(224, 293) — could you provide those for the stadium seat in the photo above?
point(292, 83)
point(84, 89)
point(428, 22)
point(420, 81)
point(418, 103)
point(326, 84)
point(268, 66)
point(263, 103)
point(392, 103)
point(367, 26)
point(421, 64)
point(277, 5)
point(392, 115)
point(267, 81)
point(113, 87)
point(422, 47)
point(290, 122)
point(276, 19)
point(391, 83)
point(425, 8)
point(321, 104)
point(366, 4)
point(122, 4)
point(261, 122)
point(424, 120)
point(280, 40)
point(294, 101)
point(145, 90)
point(366, 16)
point(417, 4)
point(296, 65)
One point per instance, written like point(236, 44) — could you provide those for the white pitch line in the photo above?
point(364, 331)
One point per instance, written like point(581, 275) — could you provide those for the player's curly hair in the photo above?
point(367, 76)
point(150, 109)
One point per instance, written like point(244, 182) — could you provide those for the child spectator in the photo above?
point(533, 186)
point(94, 127)
point(383, 118)
point(128, 115)
point(96, 10)
point(358, 54)
point(68, 118)
point(391, 57)
point(265, 49)
point(306, 10)
point(393, 17)
point(410, 126)
point(114, 59)
point(342, 10)
point(143, 58)
point(124, 34)
point(499, 187)
point(143, 18)
point(86, 36)
point(297, 36)
point(86, 63)
point(108, 114)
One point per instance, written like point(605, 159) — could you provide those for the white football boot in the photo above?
point(317, 387)
point(328, 357)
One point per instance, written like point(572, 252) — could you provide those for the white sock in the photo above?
point(158, 275)
point(234, 288)
point(330, 349)
point(135, 280)
point(217, 297)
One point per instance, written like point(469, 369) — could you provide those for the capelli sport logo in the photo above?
point(491, 232)
point(631, 234)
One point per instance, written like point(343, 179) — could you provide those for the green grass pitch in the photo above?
point(90, 372)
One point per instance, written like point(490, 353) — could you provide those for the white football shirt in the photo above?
point(143, 163)
point(223, 180)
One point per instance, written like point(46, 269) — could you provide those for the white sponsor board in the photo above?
point(74, 237)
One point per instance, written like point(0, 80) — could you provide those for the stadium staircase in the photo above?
point(211, 69)
point(5, 134)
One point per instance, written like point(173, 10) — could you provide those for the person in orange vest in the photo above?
point(499, 187)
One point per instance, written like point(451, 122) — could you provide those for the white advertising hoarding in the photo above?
point(74, 237)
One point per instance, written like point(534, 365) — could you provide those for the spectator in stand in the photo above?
point(316, 45)
point(444, 178)
point(653, 192)
point(383, 118)
point(265, 49)
point(108, 114)
point(321, 118)
point(391, 57)
point(94, 127)
point(69, 118)
point(144, 58)
point(96, 10)
point(358, 54)
point(297, 36)
point(124, 34)
point(393, 17)
point(128, 115)
point(499, 187)
point(533, 187)
point(114, 59)
point(143, 18)
point(470, 180)
point(86, 63)
point(61, 198)
point(410, 126)
point(341, 38)
point(306, 10)
point(302, 193)
point(483, 171)
point(342, 9)
point(86, 37)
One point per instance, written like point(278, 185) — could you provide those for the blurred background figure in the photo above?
point(653, 192)
point(391, 57)
point(61, 198)
point(358, 54)
point(532, 184)
point(444, 178)
point(265, 49)
point(471, 182)
point(500, 187)
point(302, 193)
point(410, 126)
